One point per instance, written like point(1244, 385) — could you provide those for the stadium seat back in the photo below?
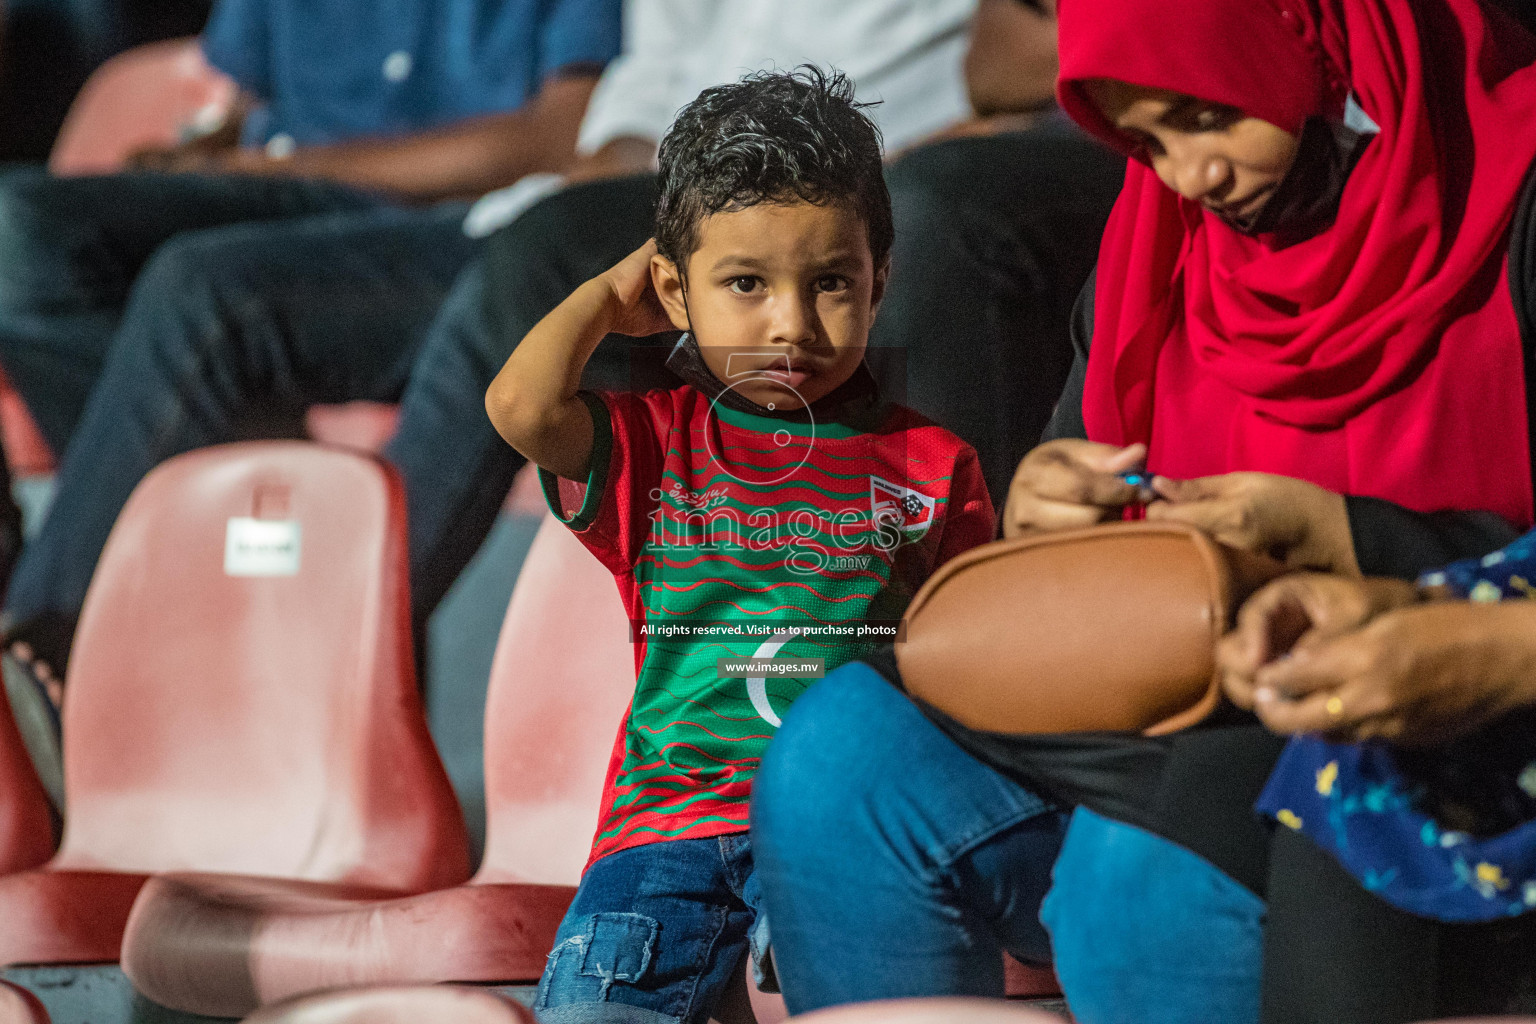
point(561, 680)
point(144, 97)
point(26, 827)
point(365, 426)
point(242, 695)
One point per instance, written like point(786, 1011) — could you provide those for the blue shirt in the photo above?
point(329, 70)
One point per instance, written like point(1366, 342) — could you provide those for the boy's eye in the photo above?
point(831, 283)
point(744, 285)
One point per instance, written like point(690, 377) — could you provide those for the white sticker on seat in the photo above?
point(261, 547)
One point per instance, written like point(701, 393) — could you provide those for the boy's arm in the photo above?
point(533, 403)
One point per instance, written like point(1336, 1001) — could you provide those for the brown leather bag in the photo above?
point(1113, 627)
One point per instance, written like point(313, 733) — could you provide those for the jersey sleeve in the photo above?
point(609, 511)
point(970, 520)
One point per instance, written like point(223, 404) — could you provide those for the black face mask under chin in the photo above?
point(851, 400)
point(1307, 198)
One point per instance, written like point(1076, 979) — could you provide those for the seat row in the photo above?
point(255, 807)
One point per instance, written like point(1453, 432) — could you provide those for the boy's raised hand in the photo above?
point(639, 312)
point(533, 402)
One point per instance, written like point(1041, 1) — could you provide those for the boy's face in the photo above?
point(780, 297)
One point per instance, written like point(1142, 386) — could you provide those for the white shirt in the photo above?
point(906, 53)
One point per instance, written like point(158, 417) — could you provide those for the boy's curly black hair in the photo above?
point(772, 137)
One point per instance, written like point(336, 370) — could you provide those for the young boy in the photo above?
point(772, 492)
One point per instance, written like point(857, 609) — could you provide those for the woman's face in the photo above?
point(1209, 153)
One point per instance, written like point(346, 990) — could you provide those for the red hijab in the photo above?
point(1380, 357)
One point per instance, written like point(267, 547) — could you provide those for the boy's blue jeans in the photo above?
point(893, 863)
point(654, 936)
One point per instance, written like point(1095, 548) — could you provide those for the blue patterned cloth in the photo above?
point(1356, 801)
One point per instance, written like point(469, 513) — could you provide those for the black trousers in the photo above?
point(1336, 954)
point(994, 238)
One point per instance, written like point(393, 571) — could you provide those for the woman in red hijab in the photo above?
point(1307, 321)
point(1312, 322)
point(1306, 273)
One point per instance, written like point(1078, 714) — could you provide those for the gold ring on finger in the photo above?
point(1334, 707)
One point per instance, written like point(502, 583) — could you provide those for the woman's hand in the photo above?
point(1295, 612)
point(1415, 676)
point(637, 311)
point(1070, 483)
point(1298, 523)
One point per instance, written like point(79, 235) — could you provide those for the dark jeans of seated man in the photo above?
point(73, 251)
point(994, 236)
point(145, 315)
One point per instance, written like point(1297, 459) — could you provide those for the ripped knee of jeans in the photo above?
point(610, 948)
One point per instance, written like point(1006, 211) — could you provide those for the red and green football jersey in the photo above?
point(750, 526)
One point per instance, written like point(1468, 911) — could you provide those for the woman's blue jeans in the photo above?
point(893, 863)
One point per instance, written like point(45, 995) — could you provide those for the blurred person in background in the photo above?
point(50, 47)
point(313, 237)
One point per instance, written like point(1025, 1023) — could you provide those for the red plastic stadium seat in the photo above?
point(421, 1004)
point(526, 497)
point(25, 450)
point(242, 698)
point(560, 682)
point(145, 97)
point(366, 426)
point(930, 1011)
point(26, 826)
point(18, 1006)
